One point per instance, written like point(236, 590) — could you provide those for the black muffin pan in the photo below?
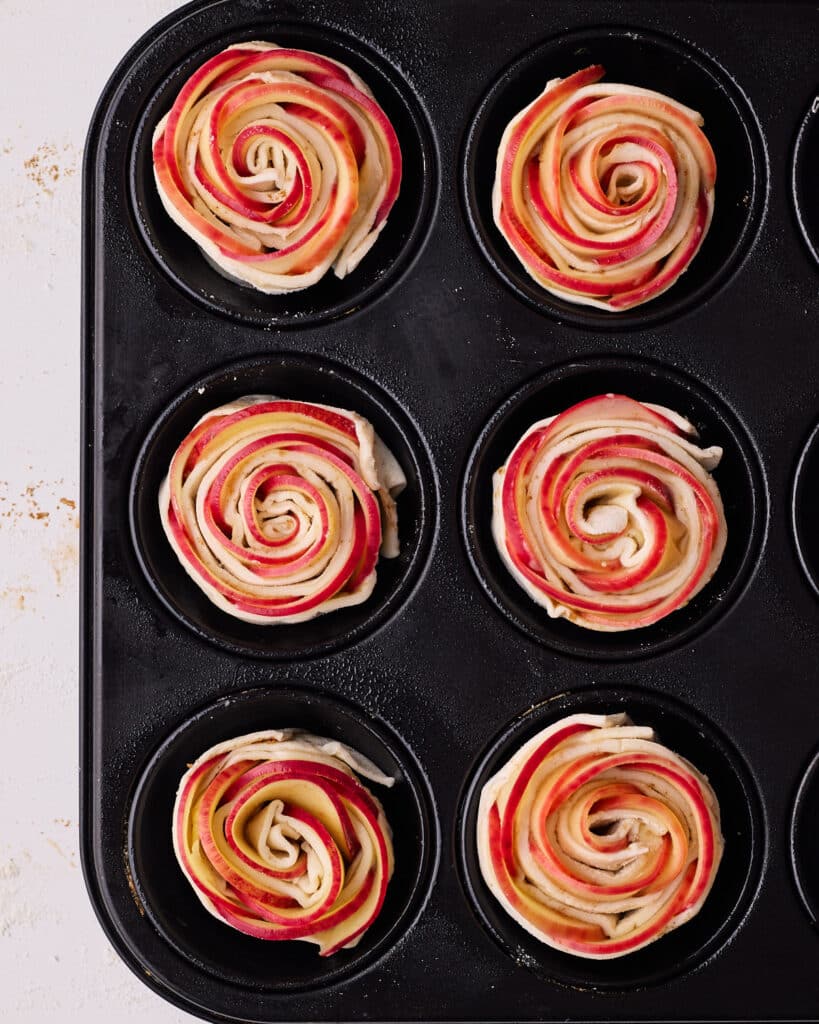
point(443, 342)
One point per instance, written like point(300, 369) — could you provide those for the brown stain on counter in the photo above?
point(49, 164)
point(68, 857)
point(63, 559)
point(40, 504)
point(35, 503)
point(16, 596)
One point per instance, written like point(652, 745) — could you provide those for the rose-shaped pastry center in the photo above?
point(607, 514)
point(597, 839)
point(281, 840)
point(604, 192)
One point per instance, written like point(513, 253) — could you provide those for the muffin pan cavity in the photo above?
point(738, 876)
point(172, 907)
point(739, 477)
point(303, 379)
point(805, 164)
point(803, 509)
point(631, 56)
point(394, 251)
point(804, 840)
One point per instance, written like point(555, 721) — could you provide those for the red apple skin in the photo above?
point(334, 84)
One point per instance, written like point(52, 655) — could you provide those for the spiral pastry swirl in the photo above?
point(279, 164)
point(607, 514)
point(597, 839)
point(280, 839)
point(604, 192)
point(278, 510)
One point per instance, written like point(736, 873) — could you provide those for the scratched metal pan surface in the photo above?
point(452, 352)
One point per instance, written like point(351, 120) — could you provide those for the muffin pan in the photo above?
point(440, 341)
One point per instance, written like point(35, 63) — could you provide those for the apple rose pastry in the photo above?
point(597, 839)
point(280, 839)
point(607, 514)
point(279, 164)
point(278, 510)
point(604, 192)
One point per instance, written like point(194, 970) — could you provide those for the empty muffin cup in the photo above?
point(803, 502)
point(306, 380)
point(737, 878)
point(169, 901)
point(632, 57)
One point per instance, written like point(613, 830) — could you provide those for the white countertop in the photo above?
point(55, 963)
